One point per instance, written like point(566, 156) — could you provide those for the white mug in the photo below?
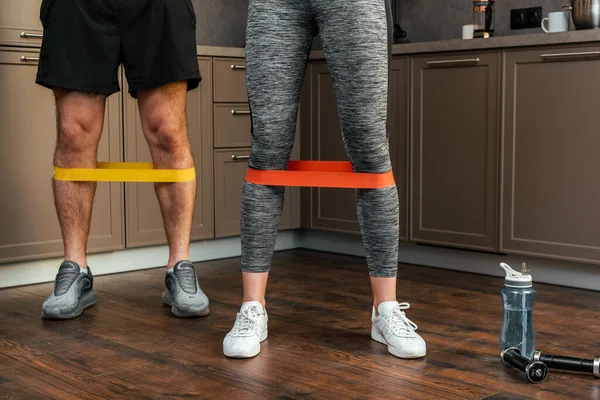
point(468, 31)
point(557, 22)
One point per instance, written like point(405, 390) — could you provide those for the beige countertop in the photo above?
point(216, 51)
point(536, 39)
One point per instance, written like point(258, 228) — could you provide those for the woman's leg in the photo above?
point(356, 43)
point(279, 35)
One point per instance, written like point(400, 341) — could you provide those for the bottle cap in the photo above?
point(515, 278)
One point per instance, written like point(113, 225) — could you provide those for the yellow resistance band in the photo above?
point(124, 172)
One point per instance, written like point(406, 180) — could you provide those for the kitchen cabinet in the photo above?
point(144, 219)
point(230, 171)
point(492, 150)
point(232, 134)
point(20, 23)
point(455, 131)
point(333, 209)
point(551, 167)
point(30, 228)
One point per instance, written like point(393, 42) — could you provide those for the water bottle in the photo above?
point(518, 296)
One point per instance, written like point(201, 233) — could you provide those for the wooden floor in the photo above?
point(130, 346)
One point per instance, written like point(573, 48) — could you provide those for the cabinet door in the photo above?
point(398, 128)
point(230, 171)
point(290, 218)
point(331, 209)
point(334, 209)
point(29, 226)
point(144, 219)
point(551, 168)
point(20, 23)
point(455, 102)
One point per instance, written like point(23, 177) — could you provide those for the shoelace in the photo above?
point(246, 321)
point(64, 279)
point(399, 322)
point(187, 278)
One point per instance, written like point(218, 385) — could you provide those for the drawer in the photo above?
point(230, 171)
point(230, 80)
point(20, 56)
point(20, 23)
point(232, 125)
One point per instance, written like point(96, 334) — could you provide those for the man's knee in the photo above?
point(80, 121)
point(163, 115)
point(78, 137)
point(167, 133)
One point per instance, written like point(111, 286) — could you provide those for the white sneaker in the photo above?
point(392, 328)
point(249, 330)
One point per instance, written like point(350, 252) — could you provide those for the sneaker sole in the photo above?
point(178, 312)
point(376, 336)
point(247, 355)
point(87, 299)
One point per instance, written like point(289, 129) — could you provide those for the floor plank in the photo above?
point(10, 390)
point(130, 345)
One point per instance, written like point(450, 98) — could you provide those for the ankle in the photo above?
point(175, 260)
point(81, 261)
point(377, 302)
point(261, 300)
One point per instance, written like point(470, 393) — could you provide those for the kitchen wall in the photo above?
point(223, 22)
point(426, 20)
point(220, 22)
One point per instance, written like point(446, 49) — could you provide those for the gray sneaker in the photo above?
point(72, 293)
point(183, 293)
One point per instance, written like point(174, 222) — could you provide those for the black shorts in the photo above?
point(85, 42)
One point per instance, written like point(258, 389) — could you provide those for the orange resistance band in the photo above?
point(332, 174)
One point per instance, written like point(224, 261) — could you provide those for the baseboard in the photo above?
point(554, 272)
point(563, 273)
point(39, 271)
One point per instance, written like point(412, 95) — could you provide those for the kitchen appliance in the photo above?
point(483, 18)
point(585, 13)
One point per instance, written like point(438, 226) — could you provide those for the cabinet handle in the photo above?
point(235, 158)
point(238, 66)
point(568, 55)
point(449, 62)
point(239, 112)
point(26, 35)
point(28, 59)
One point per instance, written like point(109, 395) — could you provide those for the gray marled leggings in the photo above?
point(355, 37)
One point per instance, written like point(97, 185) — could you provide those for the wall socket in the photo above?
point(526, 18)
